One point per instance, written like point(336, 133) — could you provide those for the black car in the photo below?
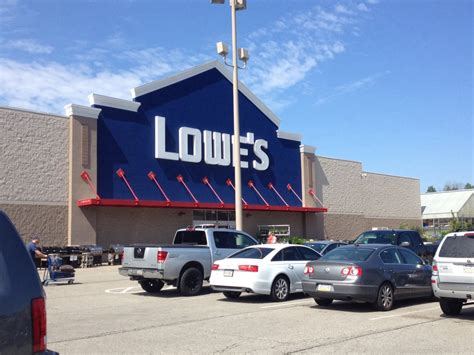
point(374, 273)
point(407, 238)
point(22, 300)
point(324, 246)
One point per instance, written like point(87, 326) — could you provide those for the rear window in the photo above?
point(348, 254)
point(376, 238)
point(252, 253)
point(190, 237)
point(458, 247)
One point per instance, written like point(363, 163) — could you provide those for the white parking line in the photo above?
point(404, 314)
point(286, 304)
point(123, 290)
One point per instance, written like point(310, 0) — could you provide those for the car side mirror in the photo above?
point(405, 244)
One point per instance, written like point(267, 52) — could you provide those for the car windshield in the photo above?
point(316, 246)
point(348, 254)
point(376, 238)
point(458, 247)
point(252, 253)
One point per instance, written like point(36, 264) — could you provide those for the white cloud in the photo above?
point(28, 45)
point(352, 86)
point(343, 9)
point(285, 53)
point(362, 7)
point(48, 86)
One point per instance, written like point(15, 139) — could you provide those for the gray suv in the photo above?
point(22, 299)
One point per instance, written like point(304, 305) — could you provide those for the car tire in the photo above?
point(323, 302)
point(232, 294)
point(280, 289)
point(190, 283)
point(152, 285)
point(451, 306)
point(385, 298)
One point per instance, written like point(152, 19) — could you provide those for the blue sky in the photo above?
point(387, 83)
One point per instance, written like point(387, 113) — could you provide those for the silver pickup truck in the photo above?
point(184, 264)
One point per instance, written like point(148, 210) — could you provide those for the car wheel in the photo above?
point(324, 302)
point(384, 298)
point(280, 289)
point(232, 294)
point(190, 283)
point(450, 306)
point(152, 285)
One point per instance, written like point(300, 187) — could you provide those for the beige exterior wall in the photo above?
point(358, 200)
point(49, 222)
point(386, 196)
point(139, 225)
point(158, 225)
point(34, 173)
point(82, 157)
point(34, 157)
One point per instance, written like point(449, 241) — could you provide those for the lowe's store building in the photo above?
point(122, 171)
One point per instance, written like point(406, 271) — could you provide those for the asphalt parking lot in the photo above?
point(106, 313)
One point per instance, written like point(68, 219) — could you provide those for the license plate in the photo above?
point(469, 269)
point(228, 273)
point(325, 288)
point(135, 272)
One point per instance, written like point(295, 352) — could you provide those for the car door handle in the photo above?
point(291, 267)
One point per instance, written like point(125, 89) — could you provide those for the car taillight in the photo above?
point(251, 268)
point(352, 271)
point(215, 266)
point(38, 316)
point(308, 270)
point(161, 256)
point(435, 269)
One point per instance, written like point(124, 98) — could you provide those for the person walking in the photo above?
point(272, 239)
point(35, 250)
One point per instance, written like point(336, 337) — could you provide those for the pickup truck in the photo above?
point(403, 237)
point(184, 264)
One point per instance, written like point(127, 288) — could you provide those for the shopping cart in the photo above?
point(56, 272)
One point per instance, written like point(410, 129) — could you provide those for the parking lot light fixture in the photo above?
point(222, 50)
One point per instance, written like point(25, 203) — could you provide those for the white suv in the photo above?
point(453, 272)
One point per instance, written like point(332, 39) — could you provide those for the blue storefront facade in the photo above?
point(170, 149)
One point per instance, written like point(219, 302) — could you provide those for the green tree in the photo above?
point(451, 186)
point(468, 186)
point(431, 189)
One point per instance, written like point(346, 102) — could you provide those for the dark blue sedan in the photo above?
point(374, 273)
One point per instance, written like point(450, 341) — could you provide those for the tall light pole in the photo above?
point(243, 54)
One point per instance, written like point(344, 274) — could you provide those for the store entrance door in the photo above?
point(224, 219)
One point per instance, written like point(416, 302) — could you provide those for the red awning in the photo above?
point(193, 205)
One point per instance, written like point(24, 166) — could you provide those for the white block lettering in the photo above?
point(160, 141)
point(216, 148)
point(263, 156)
point(184, 153)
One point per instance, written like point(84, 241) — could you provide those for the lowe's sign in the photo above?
point(217, 147)
point(182, 126)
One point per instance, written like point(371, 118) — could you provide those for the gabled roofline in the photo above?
point(102, 100)
point(82, 111)
point(159, 84)
point(290, 136)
